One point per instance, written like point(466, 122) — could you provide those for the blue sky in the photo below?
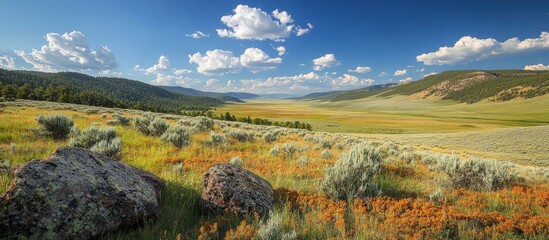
point(341, 44)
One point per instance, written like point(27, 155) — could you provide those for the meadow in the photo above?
point(414, 199)
point(399, 114)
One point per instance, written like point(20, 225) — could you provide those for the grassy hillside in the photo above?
point(415, 202)
point(193, 92)
point(468, 86)
point(124, 92)
point(347, 95)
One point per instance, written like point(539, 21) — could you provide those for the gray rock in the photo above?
point(76, 194)
point(233, 189)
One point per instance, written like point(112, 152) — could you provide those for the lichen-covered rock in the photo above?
point(233, 189)
point(76, 194)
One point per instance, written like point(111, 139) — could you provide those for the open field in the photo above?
point(413, 202)
point(401, 114)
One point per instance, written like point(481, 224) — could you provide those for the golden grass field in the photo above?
point(402, 114)
point(403, 211)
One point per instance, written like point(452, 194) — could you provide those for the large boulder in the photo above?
point(76, 194)
point(233, 189)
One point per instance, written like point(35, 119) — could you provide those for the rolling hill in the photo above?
point(104, 91)
point(193, 92)
point(468, 86)
point(335, 95)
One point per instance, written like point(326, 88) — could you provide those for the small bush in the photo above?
point(113, 122)
point(122, 120)
point(236, 161)
point(274, 151)
point(150, 125)
point(100, 140)
point(241, 136)
point(57, 126)
point(352, 176)
point(178, 135)
point(271, 136)
point(273, 229)
point(217, 139)
point(475, 174)
point(409, 157)
point(326, 144)
point(203, 124)
point(104, 115)
point(302, 161)
point(326, 154)
point(289, 150)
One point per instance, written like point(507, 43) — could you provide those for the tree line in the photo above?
point(256, 121)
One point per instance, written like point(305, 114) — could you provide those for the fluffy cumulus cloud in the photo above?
point(406, 80)
point(215, 62)
point(181, 72)
point(537, 67)
point(164, 79)
point(326, 61)
point(348, 80)
point(257, 60)
point(7, 62)
point(69, 51)
point(281, 50)
point(361, 70)
point(219, 62)
point(197, 34)
point(400, 72)
point(255, 24)
point(469, 49)
point(301, 31)
point(162, 66)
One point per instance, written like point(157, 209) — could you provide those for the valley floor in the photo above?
point(414, 202)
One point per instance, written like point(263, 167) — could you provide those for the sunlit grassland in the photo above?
point(400, 114)
point(402, 210)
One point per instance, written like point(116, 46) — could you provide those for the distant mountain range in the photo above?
point(462, 86)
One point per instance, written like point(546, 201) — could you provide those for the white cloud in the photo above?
point(215, 62)
point(536, 67)
point(281, 50)
point(219, 62)
point(69, 51)
point(170, 80)
point(301, 31)
point(211, 83)
point(257, 60)
point(421, 70)
point(400, 72)
point(197, 34)
point(162, 66)
point(430, 74)
point(406, 80)
point(255, 24)
point(469, 49)
point(7, 62)
point(382, 74)
point(326, 61)
point(361, 70)
point(348, 80)
point(181, 72)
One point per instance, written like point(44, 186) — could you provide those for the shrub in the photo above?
point(475, 174)
point(122, 120)
point(326, 154)
point(407, 156)
point(273, 229)
point(302, 161)
point(272, 135)
point(274, 151)
point(150, 125)
point(217, 139)
point(108, 148)
point(241, 136)
point(352, 176)
point(104, 115)
point(203, 124)
point(289, 150)
point(178, 135)
point(113, 122)
point(57, 126)
point(326, 144)
point(100, 140)
point(236, 161)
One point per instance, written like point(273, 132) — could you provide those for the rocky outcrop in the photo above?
point(232, 189)
point(76, 194)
